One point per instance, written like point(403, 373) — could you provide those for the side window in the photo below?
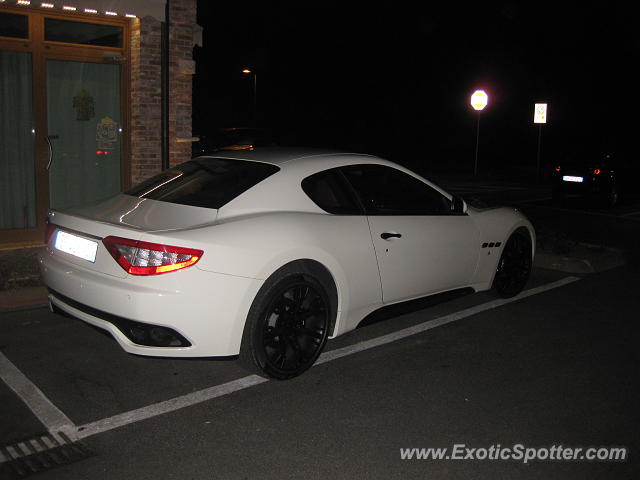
point(387, 191)
point(330, 192)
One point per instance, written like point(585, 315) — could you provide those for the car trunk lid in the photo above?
point(124, 216)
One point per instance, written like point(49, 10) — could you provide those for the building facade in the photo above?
point(94, 96)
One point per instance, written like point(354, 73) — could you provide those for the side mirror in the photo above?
point(457, 205)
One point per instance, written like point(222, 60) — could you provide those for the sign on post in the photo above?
point(540, 113)
point(539, 117)
point(479, 100)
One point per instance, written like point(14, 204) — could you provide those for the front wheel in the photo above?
point(287, 327)
point(514, 267)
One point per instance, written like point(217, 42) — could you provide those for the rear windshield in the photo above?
point(204, 182)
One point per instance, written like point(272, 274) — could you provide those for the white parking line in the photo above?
point(167, 406)
point(249, 381)
point(55, 419)
point(51, 417)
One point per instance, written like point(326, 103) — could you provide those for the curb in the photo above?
point(23, 299)
point(552, 261)
point(584, 258)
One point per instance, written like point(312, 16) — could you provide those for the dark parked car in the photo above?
point(602, 178)
point(240, 138)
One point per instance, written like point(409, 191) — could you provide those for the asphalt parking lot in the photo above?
point(556, 366)
point(92, 378)
point(537, 370)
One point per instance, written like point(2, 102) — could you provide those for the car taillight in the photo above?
point(597, 171)
point(145, 258)
point(558, 168)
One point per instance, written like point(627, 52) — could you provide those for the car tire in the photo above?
point(514, 266)
point(287, 326)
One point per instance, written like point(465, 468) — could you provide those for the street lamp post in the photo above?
point(248, 71)
point(479, 100)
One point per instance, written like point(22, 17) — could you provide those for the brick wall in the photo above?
point(146, 100)
point(181, 69)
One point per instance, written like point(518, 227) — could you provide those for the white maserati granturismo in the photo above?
point(268, 253)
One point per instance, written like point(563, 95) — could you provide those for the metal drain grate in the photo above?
point(38, 454)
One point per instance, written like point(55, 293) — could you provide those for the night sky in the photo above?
point(395, 79)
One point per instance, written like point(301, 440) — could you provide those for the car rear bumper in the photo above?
point(206, 311)
point(586, 187)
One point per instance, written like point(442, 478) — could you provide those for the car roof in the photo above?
point(294, 164)
point(282, 155)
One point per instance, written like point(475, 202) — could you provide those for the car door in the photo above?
point(421, 244)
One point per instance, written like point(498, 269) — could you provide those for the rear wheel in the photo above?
point(514, 267)
point(287, 327)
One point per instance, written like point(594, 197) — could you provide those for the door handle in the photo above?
point(48, 138)
point(388, 235)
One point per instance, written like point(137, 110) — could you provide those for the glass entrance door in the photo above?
point(84, 132)
point(17, 140)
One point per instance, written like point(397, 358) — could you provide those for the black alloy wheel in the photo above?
point(514, 267)
point(291, 329)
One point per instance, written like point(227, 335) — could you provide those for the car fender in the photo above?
point(496, 225)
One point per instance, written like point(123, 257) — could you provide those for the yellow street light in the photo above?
point(248, 71)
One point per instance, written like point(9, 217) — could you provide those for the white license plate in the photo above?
point(570, 178)
point(76, 246)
